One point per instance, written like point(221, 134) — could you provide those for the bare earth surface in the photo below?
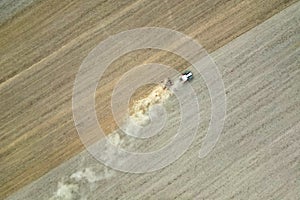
point(257, 156)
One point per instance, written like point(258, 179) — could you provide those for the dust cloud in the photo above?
point(140, 109)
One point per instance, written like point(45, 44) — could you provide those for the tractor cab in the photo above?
point(186, 76)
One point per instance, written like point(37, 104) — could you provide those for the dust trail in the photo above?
point(66, 191)
point(139, 112)
point(90, 175)
point(147, 117)
point(81, 183)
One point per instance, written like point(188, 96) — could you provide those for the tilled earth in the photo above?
point(256, 47)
